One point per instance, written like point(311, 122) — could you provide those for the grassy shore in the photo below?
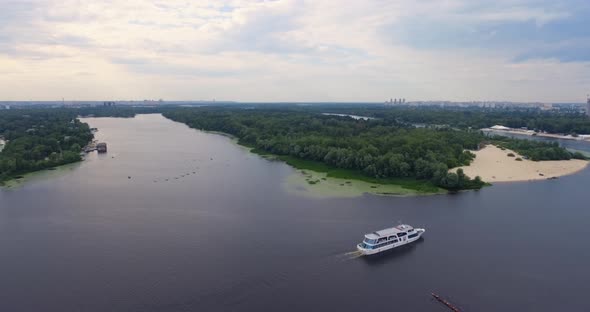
point(16, 177)
point(321, 180)
point(47, 173)
point(396, 186)
point(419, 186)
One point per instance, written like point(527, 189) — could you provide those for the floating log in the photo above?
point(445, 302)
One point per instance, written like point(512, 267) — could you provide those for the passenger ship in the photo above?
point(389, 238)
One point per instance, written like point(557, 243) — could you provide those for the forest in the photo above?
point(39, 139)
point(378, 149)
point(401, 144)
point(381, 148)
point(478, 118)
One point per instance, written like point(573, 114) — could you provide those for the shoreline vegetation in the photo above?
point(389, 150)
point(379, 152)
point(322, 181)
point(372, 151)
point(39, 139)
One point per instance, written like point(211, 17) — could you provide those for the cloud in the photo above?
point(296, 50)
point(565, 51)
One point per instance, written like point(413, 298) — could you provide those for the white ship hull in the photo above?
point(403, 241)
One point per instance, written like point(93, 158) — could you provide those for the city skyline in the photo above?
point(295, 51)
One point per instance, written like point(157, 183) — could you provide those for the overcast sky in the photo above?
point(295, 50)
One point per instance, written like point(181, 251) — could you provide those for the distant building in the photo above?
point(588, 106)
point(101, 147)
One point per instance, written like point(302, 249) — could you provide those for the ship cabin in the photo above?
point(378, 239)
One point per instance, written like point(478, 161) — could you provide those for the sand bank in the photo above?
point(493, 165)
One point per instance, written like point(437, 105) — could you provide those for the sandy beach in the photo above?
point(493, 165)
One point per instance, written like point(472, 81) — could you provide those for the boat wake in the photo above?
point(351, 255)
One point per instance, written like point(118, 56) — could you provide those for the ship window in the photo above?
point(367, 246)
point(413, 235)
point(391, 237)
point(402, 234)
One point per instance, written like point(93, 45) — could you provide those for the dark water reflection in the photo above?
point(229, 238)
point(574, 145)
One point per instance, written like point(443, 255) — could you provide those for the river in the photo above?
point(136, 230)
point(572, 145)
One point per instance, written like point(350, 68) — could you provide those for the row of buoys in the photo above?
point(176, 178)
point(181, 176)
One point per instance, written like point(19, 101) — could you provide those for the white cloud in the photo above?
point(284, 50)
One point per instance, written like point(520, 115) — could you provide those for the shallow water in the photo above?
point(137, 230)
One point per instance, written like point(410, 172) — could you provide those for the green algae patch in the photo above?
point(44, 174)
point(362, 183)
point(315, 184)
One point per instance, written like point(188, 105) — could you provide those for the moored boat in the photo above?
point(390, 238)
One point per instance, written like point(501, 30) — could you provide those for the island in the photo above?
point(380, 150)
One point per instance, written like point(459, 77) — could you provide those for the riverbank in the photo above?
point(19, 178)
point(54, 137)
point(493, 164)
point(314, 184)
point(316, 179)
point(43, 174)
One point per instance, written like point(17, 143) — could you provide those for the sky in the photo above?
point(295, 50)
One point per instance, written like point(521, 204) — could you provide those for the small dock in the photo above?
point(94, 146)
point(101, 147)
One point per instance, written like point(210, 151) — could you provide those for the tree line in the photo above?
point(376, 148)
point(39, 139)
point(477, 118)
point(402, 142)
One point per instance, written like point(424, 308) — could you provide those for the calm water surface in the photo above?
point(228, 237)
point(573, 145)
